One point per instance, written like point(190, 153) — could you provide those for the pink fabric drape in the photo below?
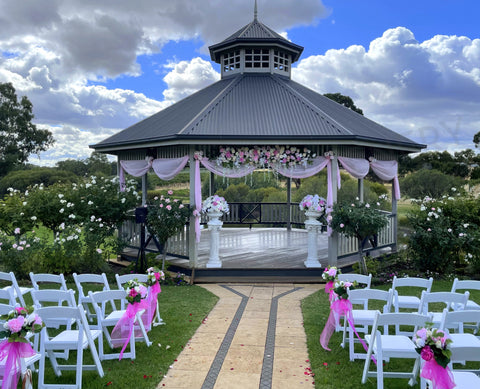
point(10, 355)
point(122, 331)
point(167, 168)
point(329, 289)
point(151, 303)
point(442, 378)
point(135, 168)
point(300, 171)
point(387, 171)
point(198, 200)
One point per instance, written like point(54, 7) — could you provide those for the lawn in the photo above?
point(333, 369)
point(183, 309)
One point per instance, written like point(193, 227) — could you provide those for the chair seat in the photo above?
point(395, 344)
point(408, 302)
point(23, 290)
point(464, 340)
point(361, 316)
point(115, 315)
point(71, 336)
point(466, 380)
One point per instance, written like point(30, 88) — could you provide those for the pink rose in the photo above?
point(169, 207)
point(15, 325)
point(427, 353)
point(332, 272)
point(170, 192)
point(342, 225)
point(132, 293)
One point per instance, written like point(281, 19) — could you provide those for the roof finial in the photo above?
point(255, 13)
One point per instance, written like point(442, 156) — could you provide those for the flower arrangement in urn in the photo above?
point(313, 203)
point(215, 204)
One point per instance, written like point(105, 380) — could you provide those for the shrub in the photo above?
point(431, 183)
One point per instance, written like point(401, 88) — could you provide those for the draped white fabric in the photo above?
point(387, 170)
point(135, 168)
point(167, 168)
point(237, 172)
point(357, 167)
point(300, 171)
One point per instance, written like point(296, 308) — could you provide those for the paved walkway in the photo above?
point(253, 338)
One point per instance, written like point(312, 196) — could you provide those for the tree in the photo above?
point(432, 183)
point(344, 100)
point(476, 139)
point(19, 137)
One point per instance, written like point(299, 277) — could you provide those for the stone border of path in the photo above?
point(253, 338)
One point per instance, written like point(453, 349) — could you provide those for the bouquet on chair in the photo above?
point(136, 291)
point(433, 347)
point(154, 275)
point(18, 323)
point(341, 289)
point(330, 274)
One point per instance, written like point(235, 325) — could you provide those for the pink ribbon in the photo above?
point(151, 303)
point(442, 378)
point(329, 290)
point(13, 352)
point(122, 331)
point(198, 199)
point(338, 308)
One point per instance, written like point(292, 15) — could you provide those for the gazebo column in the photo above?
point(192, 242)
point(144, 188)
point(333, 238)
point(289, 203)
point(395, 218)
point(211, 189)
point(361, 190)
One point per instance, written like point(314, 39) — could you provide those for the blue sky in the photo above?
point(93, 68)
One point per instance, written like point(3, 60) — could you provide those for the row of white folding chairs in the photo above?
point(384, 346)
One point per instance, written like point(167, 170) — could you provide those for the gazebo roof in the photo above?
point(255, 108)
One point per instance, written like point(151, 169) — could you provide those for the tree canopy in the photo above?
point(344, 100)
point(19, 137)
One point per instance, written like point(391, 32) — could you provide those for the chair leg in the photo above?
point(416, 368)
point(157, 320)
point(139, 323)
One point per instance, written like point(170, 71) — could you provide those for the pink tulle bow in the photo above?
point(442, 378)
point(151, 303)
point(329, 290)
point(10, 353)
point(122, 331)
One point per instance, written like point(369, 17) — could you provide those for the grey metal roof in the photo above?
point(256, 107)
point(253, 33)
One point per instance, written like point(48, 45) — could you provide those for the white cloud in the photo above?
point(426, 91)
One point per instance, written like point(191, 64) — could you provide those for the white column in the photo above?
point(313, 227)
point(192, 242)
point(214, 226)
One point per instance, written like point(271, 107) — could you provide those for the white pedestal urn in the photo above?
point(313, 227)
point(214, 226)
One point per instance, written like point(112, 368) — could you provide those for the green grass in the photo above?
point(182, 309)
point(333, 369)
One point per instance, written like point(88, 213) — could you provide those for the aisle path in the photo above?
point(253, 338)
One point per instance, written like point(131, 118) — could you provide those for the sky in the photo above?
point(92, 68)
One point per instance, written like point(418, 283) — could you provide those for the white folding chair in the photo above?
point(7, 296)
point(57, 279)
point(18, 291)
point(467, 285)
point(385, 346)
point(363, 318)
point(359, 278)
point(106, 320)
point(84, 282)
point(447, 299)
point(122, 279)
point(409, 301)
point(81, 338)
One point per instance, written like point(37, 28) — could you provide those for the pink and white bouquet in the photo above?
point(19, 322)
point(215, 203)
point(341, 289)
point(330, 273)
point(313, 203)
point(433, 344)
point(136, 291)
point(154, 275)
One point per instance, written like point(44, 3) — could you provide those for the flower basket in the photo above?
point(215, 205)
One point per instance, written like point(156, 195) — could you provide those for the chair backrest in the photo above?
point(89, 278)
point(12, 280)
point(400, 318)
point(48, 278)
point(127, 277)
point(7, 295)
point(456, 319)
point(365, 296)
point(360, 278)
point(54, 297)
point(100, 298)
point(465, 285)
point(449, 298)
point(412, 282)
point(51, 315)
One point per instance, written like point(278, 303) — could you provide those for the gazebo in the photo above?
point(256, 105)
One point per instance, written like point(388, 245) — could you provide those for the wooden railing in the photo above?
point(275, 214)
